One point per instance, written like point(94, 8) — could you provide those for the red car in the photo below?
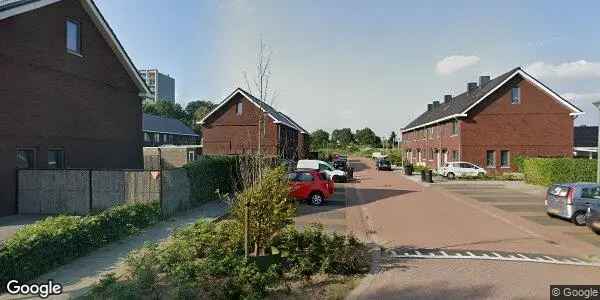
point(312, 185)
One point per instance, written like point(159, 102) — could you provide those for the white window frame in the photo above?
point(512, 95)
point(239, 108)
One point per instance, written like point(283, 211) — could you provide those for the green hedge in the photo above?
point(46, 244)
point(211, 173)
point(547, 171)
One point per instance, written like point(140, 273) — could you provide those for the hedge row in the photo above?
point(211, 173)
point(46, 244)
point(547, 171)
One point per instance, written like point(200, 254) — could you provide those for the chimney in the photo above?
point(447, 98)
point(471, 86)
point(429, 107)
point(483, 80)
point(436, 104)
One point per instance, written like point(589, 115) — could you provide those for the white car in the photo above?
point(461, 169)
point(332, 173)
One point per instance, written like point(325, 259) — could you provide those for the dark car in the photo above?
point(592, 219)
point(341, 163)
point(384, 164)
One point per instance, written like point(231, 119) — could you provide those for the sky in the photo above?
point(359, 64)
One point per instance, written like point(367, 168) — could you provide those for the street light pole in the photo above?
point(597, 105)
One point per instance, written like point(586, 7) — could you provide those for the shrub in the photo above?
point(395, 157)
point(312, 251)
point(268, 205)
point(212, 174)
point(518, 161)
point(39, 247)
point(547, 171)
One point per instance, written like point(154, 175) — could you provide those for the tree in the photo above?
point(319, 139)
point(392, 140)
point(342, 137)
point(196, 111)
point(366, 136)
point(260, 86)
point(265, 207)
point(165, 109)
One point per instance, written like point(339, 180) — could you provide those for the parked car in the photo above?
point(378, 155)
point(341, 163)
point(383, 164)
point(572, 200)
point(592, 219)
point(332, 173)
point(312, 185)
point(461, 169)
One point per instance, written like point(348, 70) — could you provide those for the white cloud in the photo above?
point(589, 97)
point(580, 69)
point(454, 63)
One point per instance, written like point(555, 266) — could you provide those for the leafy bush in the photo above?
point(311, 251)
point(39, 247)
point(518, 161)
point(212, 174)
point(268, 206)
point(394, 156)
point(547, 171)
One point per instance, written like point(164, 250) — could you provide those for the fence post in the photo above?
point(160, 180)
point(17, 190)
point(91, 197)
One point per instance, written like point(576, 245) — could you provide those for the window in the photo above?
point(157, 138)
point(455, 155)
point(25, 158)
point(516, 95)
point(430, 154)
point(304, 177)
point(592, 193)
point(490, 159)
point(73, 37)
point(239, 108)
point(454, 127)
point(191, 156)
point(324, 167)
point(147, 137)
point(505, 159)
point(56, 159)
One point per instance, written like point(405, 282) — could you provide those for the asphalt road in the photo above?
point(394, 212)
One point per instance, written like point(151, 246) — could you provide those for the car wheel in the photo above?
point(578, 218)
point(316, 199)
point(451, 175)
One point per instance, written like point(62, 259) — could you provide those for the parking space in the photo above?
point(332, 214)
point(527, 204)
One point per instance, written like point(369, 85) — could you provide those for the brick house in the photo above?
point(492, 122)
point(232, 128)
point(159, 131)
point(71, 97)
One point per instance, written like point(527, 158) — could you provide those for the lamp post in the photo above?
point(597, 105)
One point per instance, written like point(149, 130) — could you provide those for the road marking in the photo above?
point(496, 256)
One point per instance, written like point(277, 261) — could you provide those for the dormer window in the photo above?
point(73, 37)
point(239, 108)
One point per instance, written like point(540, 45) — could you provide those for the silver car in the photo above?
point(572, 200)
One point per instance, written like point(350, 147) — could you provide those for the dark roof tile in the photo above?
point(154, 123)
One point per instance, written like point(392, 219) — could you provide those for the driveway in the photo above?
point(477, 246)
point(332, 214)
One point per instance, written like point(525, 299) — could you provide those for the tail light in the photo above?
point(570, 196)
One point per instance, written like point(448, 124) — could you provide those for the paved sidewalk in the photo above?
point(10, 224)
point(81, 274)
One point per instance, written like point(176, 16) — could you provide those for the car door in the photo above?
point(590, 197)
point(294, 185)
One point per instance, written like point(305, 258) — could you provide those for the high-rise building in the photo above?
point(162, 86)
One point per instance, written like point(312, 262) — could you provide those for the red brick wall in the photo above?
point(441, 140)
point(86, 105)
point(227, 133)
point(538, 126)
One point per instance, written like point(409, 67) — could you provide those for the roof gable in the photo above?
point(275, 115)
point(460, 105)
point(10, 8)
